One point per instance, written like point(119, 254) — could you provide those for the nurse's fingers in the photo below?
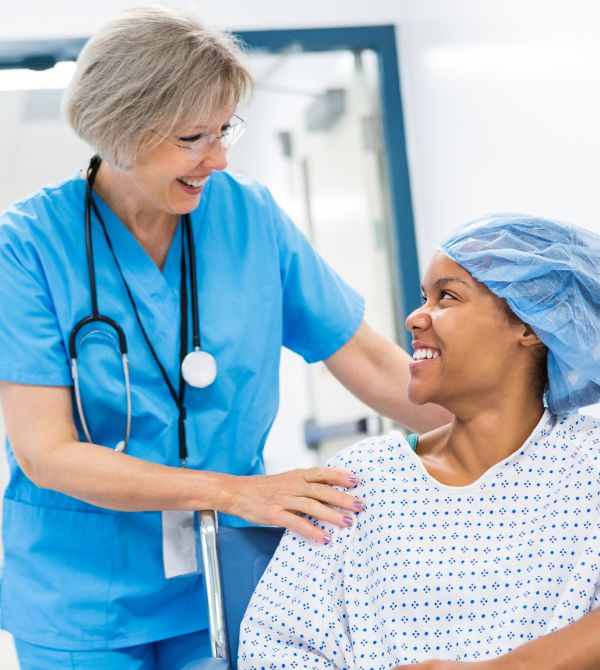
point(271, 499)
point(329, 495)
point(320, 483)
point(321, 512)
point(302, 526)
point(334, 476)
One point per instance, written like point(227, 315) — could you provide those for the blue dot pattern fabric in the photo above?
point(430, 571)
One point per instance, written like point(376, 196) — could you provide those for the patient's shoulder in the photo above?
point(580, 432)
point(380, 453)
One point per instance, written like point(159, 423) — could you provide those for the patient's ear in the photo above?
point(528, 338)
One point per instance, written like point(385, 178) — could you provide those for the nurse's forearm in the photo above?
point(39, 423)
point(376, 371)
point(117, 481)
point(113, 480)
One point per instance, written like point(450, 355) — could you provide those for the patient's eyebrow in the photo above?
point(443, 281)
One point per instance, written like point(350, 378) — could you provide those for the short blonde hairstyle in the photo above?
point(148, 70)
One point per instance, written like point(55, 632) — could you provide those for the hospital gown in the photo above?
point(434, 571)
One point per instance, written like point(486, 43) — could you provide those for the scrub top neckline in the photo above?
point(109, 216)
point(544, 420)
point(153, 285)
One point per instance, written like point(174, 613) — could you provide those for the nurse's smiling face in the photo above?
point(169, 177)
point(465, 347)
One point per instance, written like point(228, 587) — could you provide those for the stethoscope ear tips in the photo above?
point(120, 446)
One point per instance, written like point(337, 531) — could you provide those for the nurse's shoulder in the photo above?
point(243, 201)
point(50, 213)
point(240, 189)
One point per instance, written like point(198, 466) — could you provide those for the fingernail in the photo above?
point(358, 506)
point(347, 520)
point(326, 539)
point(353, 481)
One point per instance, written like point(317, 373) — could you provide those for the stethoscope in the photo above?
point(197, 368)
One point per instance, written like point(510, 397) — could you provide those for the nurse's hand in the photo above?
point(281, 500)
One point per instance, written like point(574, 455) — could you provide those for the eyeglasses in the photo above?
point(196, 145)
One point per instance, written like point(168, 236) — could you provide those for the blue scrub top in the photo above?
point(78, 576)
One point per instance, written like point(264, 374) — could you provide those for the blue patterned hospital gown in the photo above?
point(434, 571)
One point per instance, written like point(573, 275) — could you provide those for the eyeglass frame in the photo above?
point(196, 146)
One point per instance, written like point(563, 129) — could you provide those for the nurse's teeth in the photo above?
point(421, 354)
point(194, 183)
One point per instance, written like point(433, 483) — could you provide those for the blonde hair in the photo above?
point(148, 70)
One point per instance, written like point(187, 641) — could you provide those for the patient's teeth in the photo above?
point(422, 354)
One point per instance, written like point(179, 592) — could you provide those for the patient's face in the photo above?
point(463, 342)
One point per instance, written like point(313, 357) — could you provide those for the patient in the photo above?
point(485, 534)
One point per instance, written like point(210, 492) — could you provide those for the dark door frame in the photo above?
point(382, 40)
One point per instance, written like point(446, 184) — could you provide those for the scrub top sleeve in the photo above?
point(30, 339)
point(321, 312)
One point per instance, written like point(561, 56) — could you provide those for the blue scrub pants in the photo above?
point(171, 654)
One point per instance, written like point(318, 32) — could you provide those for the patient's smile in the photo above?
point(423, 353)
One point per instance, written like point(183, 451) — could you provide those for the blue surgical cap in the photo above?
point(549, 274)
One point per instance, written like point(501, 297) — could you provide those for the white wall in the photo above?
point(500, 97)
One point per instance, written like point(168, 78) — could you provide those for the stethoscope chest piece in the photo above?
point(199, 369)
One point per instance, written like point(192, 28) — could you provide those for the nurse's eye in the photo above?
point(191, 138)
point(423, 298)
point(446, 295)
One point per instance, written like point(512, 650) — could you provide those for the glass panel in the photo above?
point(315, 117)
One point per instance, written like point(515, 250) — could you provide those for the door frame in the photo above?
point(381, 40)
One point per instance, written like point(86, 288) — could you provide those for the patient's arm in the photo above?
point(296, 618)
point(575, 647)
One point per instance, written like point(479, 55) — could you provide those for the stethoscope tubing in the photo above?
point(121, 446)
point(96, 316)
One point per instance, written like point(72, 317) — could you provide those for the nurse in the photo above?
point(176, 255)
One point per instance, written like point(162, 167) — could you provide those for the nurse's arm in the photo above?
point(39, 423)
point(376, 371)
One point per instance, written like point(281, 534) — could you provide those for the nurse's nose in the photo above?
point(215, 156)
